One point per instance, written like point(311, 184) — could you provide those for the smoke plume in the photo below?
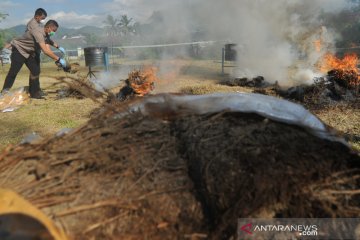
point(275, 39)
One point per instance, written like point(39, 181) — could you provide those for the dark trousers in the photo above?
point(32, 63)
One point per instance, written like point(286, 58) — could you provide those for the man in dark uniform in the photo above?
point(39, 18)
point(26, 49)
point(38, 21)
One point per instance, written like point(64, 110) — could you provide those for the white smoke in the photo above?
point(107, 80)
point(276, 37)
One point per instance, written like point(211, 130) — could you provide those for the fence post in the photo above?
point(222, 61)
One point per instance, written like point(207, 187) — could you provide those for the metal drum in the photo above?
point(96, 56)
point(230, 52)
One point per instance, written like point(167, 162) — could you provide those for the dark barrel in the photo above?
point(230, 52)
point(96, 56)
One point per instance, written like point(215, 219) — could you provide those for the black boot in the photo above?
point(34, 89)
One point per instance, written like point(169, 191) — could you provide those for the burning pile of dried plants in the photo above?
point(166, 175)
point(339, 85)
point(334, 98)
point(139, 83)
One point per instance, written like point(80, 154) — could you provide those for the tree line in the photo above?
point(115, 28)
point(125, 30)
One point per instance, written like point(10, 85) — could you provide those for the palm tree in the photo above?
point(111, 25)
point(125, 25)
point(112, 30)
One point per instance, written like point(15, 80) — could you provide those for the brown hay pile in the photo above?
point(77, 87)
point(185, 177)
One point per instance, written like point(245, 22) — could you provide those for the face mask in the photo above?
point(42, 21)
point(51, 34)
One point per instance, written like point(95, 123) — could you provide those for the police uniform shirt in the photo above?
point(32, 24)
point(28, 44)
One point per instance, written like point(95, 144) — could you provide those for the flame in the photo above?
point(348, 65)
point(143, 81)
point(349, 62)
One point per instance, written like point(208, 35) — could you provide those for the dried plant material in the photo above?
point(70, 67)
point(74, 68)
point(142, 81)
point(78, 87)
point(344, 67)
point(124, 175)
point(139, 83)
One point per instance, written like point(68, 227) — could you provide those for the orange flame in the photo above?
point(347, 64)
point(143, 81)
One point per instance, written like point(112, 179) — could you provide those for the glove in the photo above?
point(61, 62)
point(62, 50)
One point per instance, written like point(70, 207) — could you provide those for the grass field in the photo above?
point(47, 117)
point(43, 117)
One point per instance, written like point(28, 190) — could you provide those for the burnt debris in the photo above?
point(246, 82)
point(337, 86)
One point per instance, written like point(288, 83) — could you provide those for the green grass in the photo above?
point(44, 117)
point(47, 117)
